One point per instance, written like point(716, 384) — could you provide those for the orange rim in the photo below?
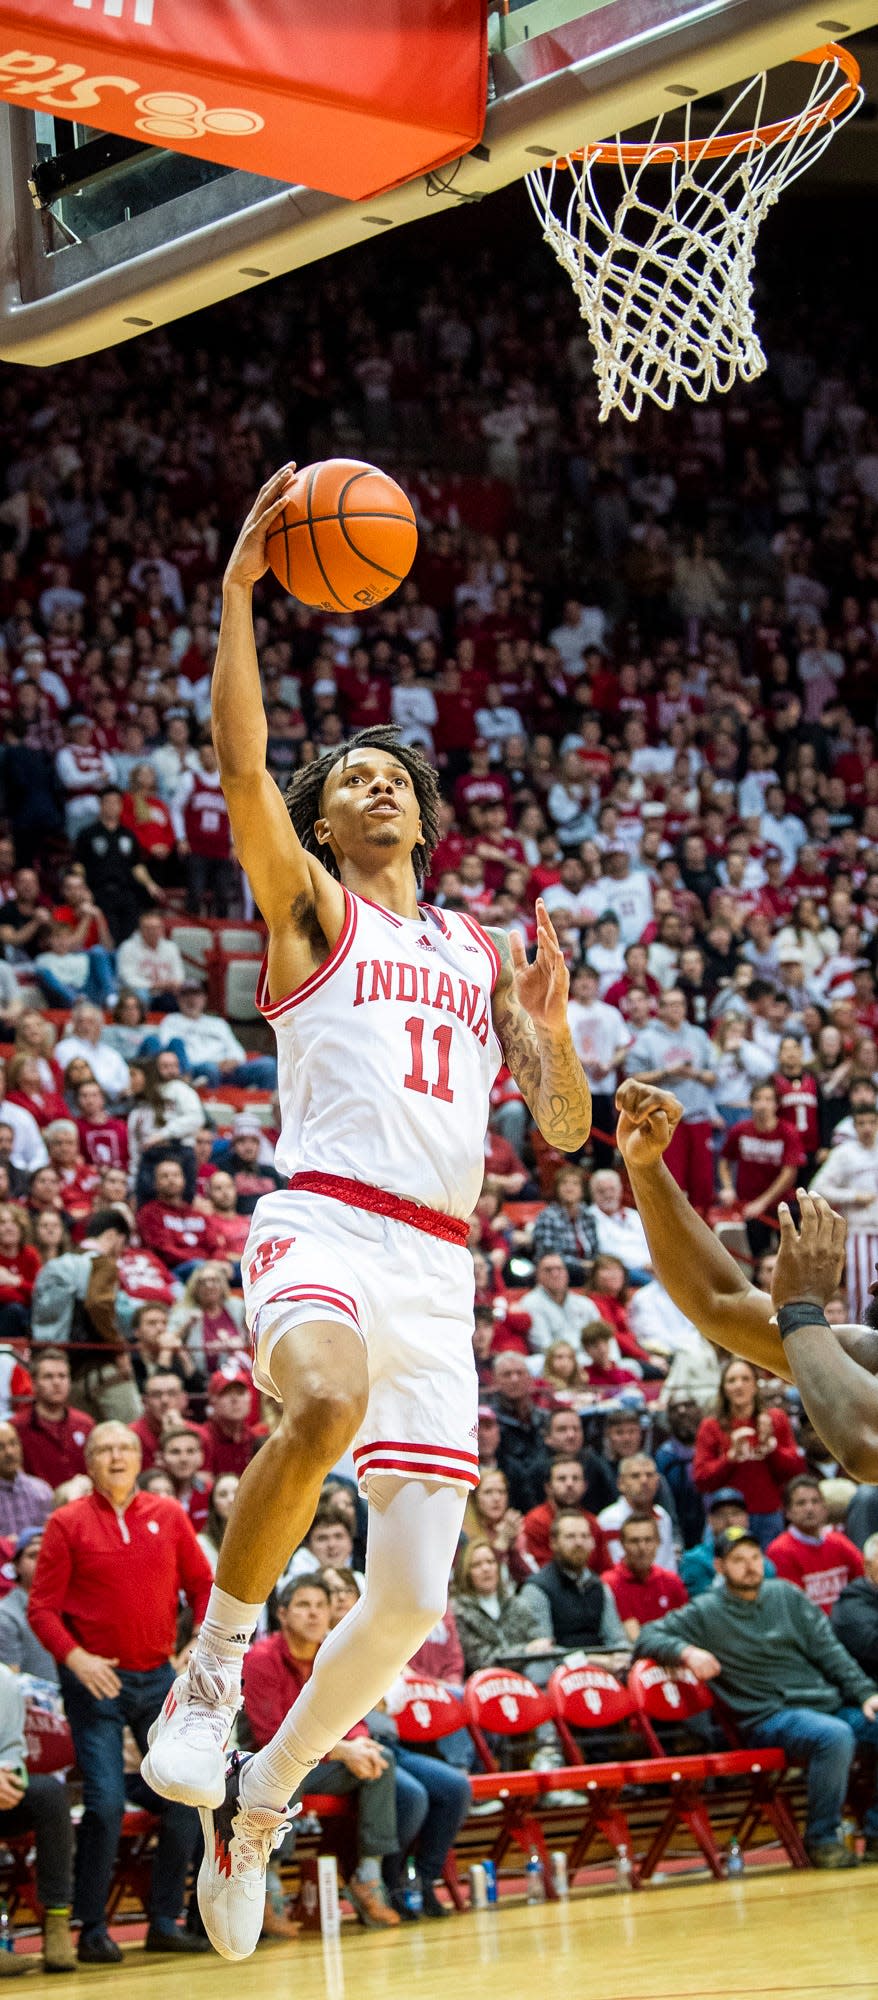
point(610, 153)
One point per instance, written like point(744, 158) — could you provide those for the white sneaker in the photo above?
point(186, 1759)
point(239, 1841)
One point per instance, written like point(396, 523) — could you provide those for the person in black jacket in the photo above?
point(854, 1614)
point(572, 1607)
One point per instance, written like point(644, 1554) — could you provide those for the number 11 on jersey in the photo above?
point(416, 1079)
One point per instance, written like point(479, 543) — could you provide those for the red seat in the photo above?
point(586, 1698)
point(431, 1710)
point(508, 1704)
point(673, 1695)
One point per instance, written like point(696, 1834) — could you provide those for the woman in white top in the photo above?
point(814, 939)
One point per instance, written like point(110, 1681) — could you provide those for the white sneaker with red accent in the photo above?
point(239, 1841)
point(186, 1758)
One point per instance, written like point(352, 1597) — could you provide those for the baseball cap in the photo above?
point(486, 1413)
point(727, 1496)
point(219, 1383)
point(24, 1540)
point(245, 1122)
point(732, 1538)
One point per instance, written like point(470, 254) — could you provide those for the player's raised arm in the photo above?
point(688, 1259)
point(530, 1018)
point(269, 851)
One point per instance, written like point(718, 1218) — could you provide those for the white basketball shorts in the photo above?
point(408, 1295)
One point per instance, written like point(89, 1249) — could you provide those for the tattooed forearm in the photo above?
point(547, 1070)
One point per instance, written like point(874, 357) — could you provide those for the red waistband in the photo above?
point(358, 1194)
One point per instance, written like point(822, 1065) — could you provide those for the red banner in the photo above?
point(345, 98)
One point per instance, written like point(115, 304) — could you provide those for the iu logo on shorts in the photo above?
point(267, 1255)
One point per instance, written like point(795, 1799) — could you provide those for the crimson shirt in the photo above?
point(798, 1100)
point(820, 1568)
point(111, 1582)
point(52, 1451)
point(226, 1454)
point(176, 1232)
point(535, 1537)
point(645, 1598)
point(273, 1677)
point(759, 1156)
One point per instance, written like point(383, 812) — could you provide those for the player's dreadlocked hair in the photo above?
point(305, 790)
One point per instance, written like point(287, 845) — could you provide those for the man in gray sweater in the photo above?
point(785, 1677)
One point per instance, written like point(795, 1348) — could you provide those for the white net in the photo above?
point(664, 278)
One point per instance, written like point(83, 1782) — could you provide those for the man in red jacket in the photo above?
point(104, 1604)
point(53, 1434)
point(641, 1589)
point(168, 1225)
point(819, 1560)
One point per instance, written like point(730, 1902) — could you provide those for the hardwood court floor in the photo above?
point(802, 1936)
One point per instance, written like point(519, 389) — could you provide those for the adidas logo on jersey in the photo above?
point(425, 944)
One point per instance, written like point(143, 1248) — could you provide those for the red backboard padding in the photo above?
point(350, 96)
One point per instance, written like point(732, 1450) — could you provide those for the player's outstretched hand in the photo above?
point(248, 560)
point(648, 1119)
point(810, 1260)
point(543, 986)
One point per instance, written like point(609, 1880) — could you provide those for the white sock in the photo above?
point(225, 1634)
point(413, 1533)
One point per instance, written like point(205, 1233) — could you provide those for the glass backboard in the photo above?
point(104, 238)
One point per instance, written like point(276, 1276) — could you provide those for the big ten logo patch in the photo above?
point(164, 114)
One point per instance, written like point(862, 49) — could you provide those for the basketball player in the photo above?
point(835, 1368)
point(391, 1022)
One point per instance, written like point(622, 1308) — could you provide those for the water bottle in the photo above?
point(6, 1943)
point(734, 1862)
point(533, 1874)
point(624, 1870)
point(412, 1894)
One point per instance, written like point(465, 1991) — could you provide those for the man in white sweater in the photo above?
point(849, 1179)
point(207, 1047)
point(149, 964)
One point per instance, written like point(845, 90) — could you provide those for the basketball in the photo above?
point(346, 538)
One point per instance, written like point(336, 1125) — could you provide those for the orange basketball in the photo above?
point(346, 538)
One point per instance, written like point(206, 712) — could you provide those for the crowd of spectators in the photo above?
point(644, 662)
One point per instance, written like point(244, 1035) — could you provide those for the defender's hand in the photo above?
point(810, 1260)
point(648, 1119)
point(248, 560)
point(542, 987)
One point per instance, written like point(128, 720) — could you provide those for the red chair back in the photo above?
point(590, 1697)
point(505, 1704)
point(666, 1694)
point(431, 1710)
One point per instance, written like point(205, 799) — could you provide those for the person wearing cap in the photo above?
point(250, 1160)
point(725, 1509)
point(228, 1436)
point(767, 1156)
point(207, 1048)
point(83, 771)
point(786, 1678)
point(20, 1648)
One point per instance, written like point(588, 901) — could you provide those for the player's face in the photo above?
point(369, 805)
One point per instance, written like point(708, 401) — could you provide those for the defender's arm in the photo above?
point(530, 1019)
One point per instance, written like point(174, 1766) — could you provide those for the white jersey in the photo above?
point(387, 1054)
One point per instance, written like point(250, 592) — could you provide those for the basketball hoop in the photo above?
point(664, 282)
